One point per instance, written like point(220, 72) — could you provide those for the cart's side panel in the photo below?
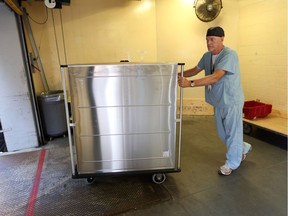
point(124, 117)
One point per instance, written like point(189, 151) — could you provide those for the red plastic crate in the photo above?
point(255, 109)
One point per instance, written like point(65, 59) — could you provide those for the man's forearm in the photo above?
point(191, 72)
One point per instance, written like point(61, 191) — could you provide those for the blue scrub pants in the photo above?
point(230, 129)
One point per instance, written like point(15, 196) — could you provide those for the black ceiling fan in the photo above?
point(207, 10)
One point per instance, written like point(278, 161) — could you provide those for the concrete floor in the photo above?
point(258, 187)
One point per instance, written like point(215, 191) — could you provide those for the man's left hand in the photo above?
point(183, 82)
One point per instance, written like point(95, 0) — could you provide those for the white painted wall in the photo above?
point(169, 31)
point(263, 51)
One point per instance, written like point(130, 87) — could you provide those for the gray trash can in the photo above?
point(52, 111)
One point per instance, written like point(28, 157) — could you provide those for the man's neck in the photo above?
point(216, 52)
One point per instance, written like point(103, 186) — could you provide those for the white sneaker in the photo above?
point(244, 155)
point(225, 170)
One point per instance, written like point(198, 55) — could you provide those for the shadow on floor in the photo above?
point(270, 137)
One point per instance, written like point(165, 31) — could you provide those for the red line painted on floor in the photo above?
point(33, 196)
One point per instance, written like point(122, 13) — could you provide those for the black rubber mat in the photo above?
point(59, 194)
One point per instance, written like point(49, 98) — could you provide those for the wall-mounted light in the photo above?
point(144, 6)
point(189, 2)
point(56, 3)
point(50, 3)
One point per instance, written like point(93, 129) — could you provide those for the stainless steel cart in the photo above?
point(123, 119)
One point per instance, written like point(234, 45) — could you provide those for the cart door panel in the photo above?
point(124, 116)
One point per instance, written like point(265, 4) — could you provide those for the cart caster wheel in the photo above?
point(159, 178)
point(247, 128)
point(90, 180)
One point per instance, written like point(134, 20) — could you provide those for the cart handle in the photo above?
point(67, 117)
point(180, 117)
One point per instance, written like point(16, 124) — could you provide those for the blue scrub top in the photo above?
point(227, 91)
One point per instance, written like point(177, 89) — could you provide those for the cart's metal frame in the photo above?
point(158, 174)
